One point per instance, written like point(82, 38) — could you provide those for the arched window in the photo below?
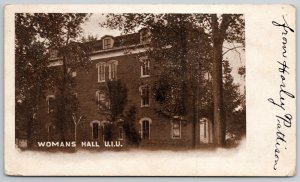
point(102, 100)
point(108, 42)
point(50, 103)
point(112, 69)
point(145, 95)
point(121, 133)
point(95, 129)
point(50, 130)
point(106, 131)
point(206, 135)
point(145, 67)
point(176, 129)
point(145, 128)
point(101, 71)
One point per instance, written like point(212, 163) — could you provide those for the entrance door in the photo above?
point(205, 131)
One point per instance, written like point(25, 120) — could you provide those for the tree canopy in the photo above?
point(36, 35)
point(188, 47)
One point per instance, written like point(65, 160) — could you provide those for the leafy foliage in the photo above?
point(175, 62)
point(35, 35)
point(31, 76)
point(187, 47)
point(116, 92)
point(89, 38)
point(133, 137)
point(234, 108)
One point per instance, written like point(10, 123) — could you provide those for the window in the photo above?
point(51, 103)
point(121, 133)
point(53, 53)
point(176, 129)
point(95, 131)
point(112, 68)
point(101, 72)
point(74, 74)
point(50, 129)
point(205, 126)
point(145, 36)
point(107, 43)
point(107, 133)
point(145, 129)
point(71, 72)
point(206, 135)
point(102, 101)
point(145, 100)
point(74, 101)
point(74, 95)
point(145, 68)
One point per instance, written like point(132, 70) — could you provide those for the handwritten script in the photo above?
point(285, 119)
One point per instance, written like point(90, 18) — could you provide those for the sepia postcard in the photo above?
point(150, 90)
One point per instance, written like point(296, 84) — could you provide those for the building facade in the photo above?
point(122, 58)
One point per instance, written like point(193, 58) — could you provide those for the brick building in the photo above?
point(122, 58)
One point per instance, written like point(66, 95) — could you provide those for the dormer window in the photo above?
point(53, 54)
point(145, 36)
point(108, 43)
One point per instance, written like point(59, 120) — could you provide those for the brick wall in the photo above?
point(129, 72)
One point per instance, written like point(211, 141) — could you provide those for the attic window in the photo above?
point(145, 36)
point(107, 43)
point(53, 53)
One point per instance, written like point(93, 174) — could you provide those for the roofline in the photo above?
point(117, 49)
point(106, 36)
point(136, 49)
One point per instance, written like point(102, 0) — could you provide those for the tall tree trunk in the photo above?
point(195, 102)
point(194, 129)
point(29, 130)
point(62, 107)
point(31, 110)
point(219, 119)
point(184, 36)
point(183, 64)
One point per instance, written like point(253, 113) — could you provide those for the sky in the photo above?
point(236, 58)
point(92, 27)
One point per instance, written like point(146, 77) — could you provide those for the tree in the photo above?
point(112, 103)
point(225, 27)
point(31, 75)
point(89, 38)
point(131, 133)
point(178, 48)
point(55, 31)
point(234, 108)
point(217, 29)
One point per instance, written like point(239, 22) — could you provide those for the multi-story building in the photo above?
point(122, 58)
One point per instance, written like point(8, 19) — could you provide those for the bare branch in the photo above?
point(230, 49)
